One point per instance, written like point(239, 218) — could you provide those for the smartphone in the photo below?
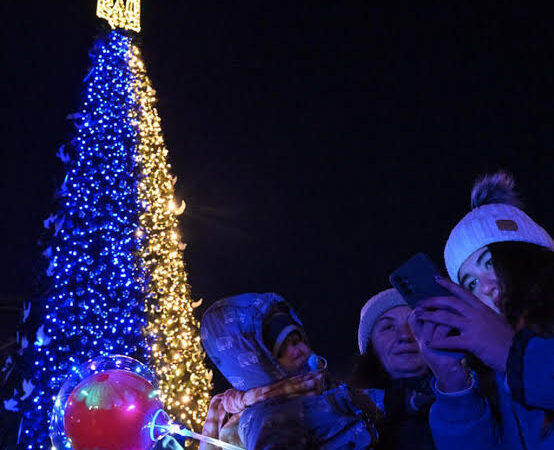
point(415, 280)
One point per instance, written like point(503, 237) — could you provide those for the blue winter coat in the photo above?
point(231, 333)
point(464, 421)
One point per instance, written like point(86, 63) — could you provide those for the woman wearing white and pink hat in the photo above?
point(501, 263)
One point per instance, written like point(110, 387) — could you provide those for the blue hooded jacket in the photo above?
point(232, 335)
point(464, 420)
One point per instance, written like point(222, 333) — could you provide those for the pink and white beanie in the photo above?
point(488, 224)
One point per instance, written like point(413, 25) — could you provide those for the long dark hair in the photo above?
point(526, 276)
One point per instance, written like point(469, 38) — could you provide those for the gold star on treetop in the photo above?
point(120, 14)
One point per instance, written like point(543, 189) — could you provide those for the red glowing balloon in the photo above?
point(111, 410)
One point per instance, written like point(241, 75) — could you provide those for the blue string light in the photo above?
point(95, 304)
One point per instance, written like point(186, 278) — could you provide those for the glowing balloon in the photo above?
point(111, 410)
point(107, 403)
point(111, 403)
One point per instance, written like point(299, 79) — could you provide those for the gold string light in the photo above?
point(173, 331)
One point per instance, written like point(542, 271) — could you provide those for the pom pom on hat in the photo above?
point(495, 188)
point(372, 310)
point(496, 217)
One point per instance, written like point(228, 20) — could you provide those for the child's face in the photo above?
point(294, 352)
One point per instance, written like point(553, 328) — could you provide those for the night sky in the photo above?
point(317, 144)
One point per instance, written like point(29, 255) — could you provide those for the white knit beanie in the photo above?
point(372, 310)
point(486, 225)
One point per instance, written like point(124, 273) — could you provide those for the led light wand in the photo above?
point(173, 428)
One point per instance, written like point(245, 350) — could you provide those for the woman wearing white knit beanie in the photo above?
point(503, 314)
point(496, 217)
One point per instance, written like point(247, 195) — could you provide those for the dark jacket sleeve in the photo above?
point(530, 370)
point(273, 425)
point(459, 418)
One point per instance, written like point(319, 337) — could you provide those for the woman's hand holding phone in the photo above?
point(482, 332)
point(448, 367)
point(416, 282)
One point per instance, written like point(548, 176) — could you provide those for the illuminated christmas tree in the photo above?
point(116, 278)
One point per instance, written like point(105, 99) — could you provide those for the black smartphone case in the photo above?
point(415, 280)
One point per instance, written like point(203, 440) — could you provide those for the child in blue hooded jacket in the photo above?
point(259, 345)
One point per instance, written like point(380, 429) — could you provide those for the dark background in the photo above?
point(317, 144)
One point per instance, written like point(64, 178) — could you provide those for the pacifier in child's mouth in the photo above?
point(316, 362)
